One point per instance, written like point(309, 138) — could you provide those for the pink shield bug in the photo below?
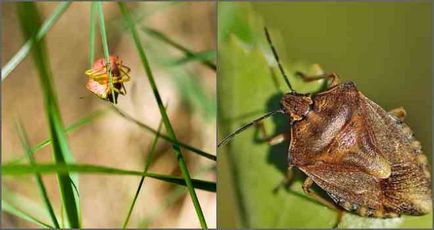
point(98, 82)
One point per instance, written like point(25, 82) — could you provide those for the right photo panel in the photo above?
point(324, 115)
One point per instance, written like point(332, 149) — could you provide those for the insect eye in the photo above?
point(297, 106)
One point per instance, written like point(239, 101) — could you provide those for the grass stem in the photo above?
point(105, 48)
point(167, 124)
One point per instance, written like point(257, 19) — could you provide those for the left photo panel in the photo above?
point(108, 115)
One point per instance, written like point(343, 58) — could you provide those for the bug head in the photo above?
point(296, 105)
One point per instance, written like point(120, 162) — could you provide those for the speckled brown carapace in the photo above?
point(365, 158)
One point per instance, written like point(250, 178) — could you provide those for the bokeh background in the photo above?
point(384, 47)
point(187, 86)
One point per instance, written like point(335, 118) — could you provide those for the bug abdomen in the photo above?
point(407, 190)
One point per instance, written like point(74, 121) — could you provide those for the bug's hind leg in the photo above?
point(399, 113)
point(328, 76)
point(124, 89)
point(307, 185)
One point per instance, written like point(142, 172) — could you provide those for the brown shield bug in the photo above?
point(366, 159)
point(98, 82)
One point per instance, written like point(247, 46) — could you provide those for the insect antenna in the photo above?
point(244, 127)
point(277, 59)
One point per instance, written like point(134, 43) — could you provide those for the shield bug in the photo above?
point(366, 159)
point(98, 82)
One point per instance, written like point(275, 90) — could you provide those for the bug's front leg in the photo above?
point(271, 140)
point(96, 74)
point(274, 140)
point(332, 76)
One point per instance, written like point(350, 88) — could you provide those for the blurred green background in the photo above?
point(384, 47)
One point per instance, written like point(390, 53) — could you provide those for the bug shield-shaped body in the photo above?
point(98, 82)
point(365, 158)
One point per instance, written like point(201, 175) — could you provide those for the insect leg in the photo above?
point(271, 140)
point(334, 78)
point(125, 90)
point(307, 189)
point(117, 91)
point(95, 74)
point(125, 68)
point(289, 176)
point(99, 77)
point(399, 113)
point(125, 77)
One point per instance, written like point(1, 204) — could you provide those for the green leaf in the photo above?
point(30, 20)
point(23, 169)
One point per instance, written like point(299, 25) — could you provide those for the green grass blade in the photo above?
point(202, 56)
point(9, 208)
point(92, 32)
point(193, 94)
point(105, 47)
point(25, 169)
point(164, 116)
point(23, 203)
point(83, 121)
point(167, 138)
point(43, 191)
point(148, 162)
point(25, 49)
point(187, 52)
point(30, 20)
point(169, 200)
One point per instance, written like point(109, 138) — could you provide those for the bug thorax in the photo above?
point(115, 61)
point(296, 105)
